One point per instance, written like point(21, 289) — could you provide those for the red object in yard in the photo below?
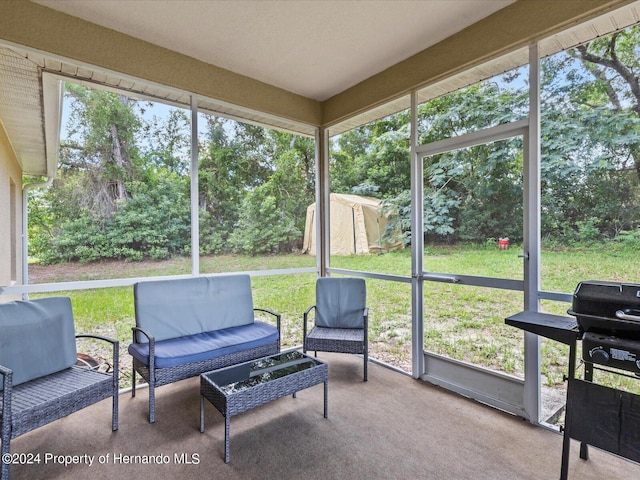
point(503, 243)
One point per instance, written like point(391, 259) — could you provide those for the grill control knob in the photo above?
point(599, 355)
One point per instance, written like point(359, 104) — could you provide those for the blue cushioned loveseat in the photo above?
point(39, 380)
point(188, 326)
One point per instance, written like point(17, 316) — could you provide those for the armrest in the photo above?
point(305, 320)
point(150, 337)
point(276, 315)
point(152, 346)
point(365, 315)
point(116, 348)
point(7, 377)
point(7, 386)
point(97, 337)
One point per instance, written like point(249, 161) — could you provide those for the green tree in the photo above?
point(591, 144)
point(154, 223)
point(614, 63)
point(118, 194)
point(474, 193)
point(245, 171)
point(101, 146)
point(590, 151)
point(168, 142)
point(224, 175)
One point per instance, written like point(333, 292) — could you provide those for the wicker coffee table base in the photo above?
point(234, 403)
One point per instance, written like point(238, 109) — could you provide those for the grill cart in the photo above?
point(606, 319)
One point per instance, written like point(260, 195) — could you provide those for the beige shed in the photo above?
point(356, 226)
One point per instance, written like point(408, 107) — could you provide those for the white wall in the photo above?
point(10, 214)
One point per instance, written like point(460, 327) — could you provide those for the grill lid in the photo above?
point(609, 308)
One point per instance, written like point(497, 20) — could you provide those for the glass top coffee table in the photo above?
point(236, 389)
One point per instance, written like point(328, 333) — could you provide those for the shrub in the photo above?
point(80, 239)
point(263, 228)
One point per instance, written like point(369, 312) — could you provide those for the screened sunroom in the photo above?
point(242, 115)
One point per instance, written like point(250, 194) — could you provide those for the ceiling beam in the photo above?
point(43, 29)
point(513, 27)
point(517, 25)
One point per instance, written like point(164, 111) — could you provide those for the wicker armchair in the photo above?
point(39, 379)
point(341, 318)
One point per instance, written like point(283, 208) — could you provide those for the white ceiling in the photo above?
point(316, 48)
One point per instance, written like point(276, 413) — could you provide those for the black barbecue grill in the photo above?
point(607, 321)
point(608, 316)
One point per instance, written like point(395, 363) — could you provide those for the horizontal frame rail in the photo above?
point(488, 282)
point(488, 135)
point(377, 276)
point(555, 296)
point(502, 283)
point(127, 282)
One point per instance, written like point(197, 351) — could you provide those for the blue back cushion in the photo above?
point(188, 306)
point(37, 337)
point(340, 302)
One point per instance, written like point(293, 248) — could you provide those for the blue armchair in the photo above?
point(341, 318)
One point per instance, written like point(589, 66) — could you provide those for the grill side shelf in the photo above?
point(556, 327)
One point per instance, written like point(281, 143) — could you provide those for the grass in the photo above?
point(462, 322)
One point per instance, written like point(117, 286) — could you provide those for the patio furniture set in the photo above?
point(187, 327)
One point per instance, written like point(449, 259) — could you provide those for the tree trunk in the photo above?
point(611, 60)
point(118, 159)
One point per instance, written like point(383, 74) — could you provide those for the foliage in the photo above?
point(590, 148)
point(629, 239)
point(263, 227)
point(78, 239)
point(272, 217)
point(154, 223)
point(101, 147)
point(222, 179)
point(132, 202)
point(168, 142)
point(436, 220)
point(122, 190)
point(588, 172)
point(470, 194)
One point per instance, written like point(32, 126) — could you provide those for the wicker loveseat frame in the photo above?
point(188, 326)
point(40, 381)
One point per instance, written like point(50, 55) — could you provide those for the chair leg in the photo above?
point(152, 397)
point(152, 405)
point(114, 413)
point(366, 362)
point(133, 381)
point(6, 441)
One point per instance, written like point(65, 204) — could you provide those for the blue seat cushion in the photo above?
point(207, 345)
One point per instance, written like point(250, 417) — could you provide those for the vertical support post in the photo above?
point(417, 247)
point(323, 245)
point(195, 218)
point(532, 238)
point(566, 441)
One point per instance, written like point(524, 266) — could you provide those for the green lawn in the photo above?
point(465, 323)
